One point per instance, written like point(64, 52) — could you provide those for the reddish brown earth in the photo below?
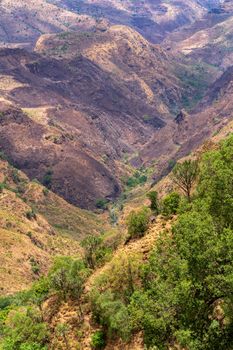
point(91, 99)
point(83, 101)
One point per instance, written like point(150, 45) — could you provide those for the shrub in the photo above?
point(137, 222)
point(47, 179)
point(67, 277)
point(136, 179)
point(101, 203)
point(24, 329)
point(45, 192)
point(30, 215)
point(2, 186)
point(91, 244)
point(153, 196)
point(170, 204)
point(112, 314)
point(98, 340)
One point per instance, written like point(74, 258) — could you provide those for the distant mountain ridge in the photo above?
point(22, 22)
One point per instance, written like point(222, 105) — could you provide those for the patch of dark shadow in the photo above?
point(142, 22)
point(47, 68)
point(154, 121)
point(217, 11)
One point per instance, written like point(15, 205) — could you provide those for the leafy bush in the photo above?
point(91, 245)
point(2, 187)
point(47, 179)
point(30, 215)
point(101, 203)
point(122, 276)
point(112, 314)
point(25, 330)
point(170, 204)
point(67, 277)
point(45, 192)
point(136, 179)
point(98, 340)
point(153, 196)
point(137, 222)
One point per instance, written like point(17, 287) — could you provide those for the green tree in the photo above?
point(67, 277)
point(137, 222)
point(25, 330)
point(170, 204)
point(112, 314)
point(91, 244)
point(188, 278)
point(153, 196)
point(48, 179)
point(98, 340)
point(216, 182)
point(184, 175)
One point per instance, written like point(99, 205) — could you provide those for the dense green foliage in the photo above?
point(154, 205)
point(181, 297)
point(137, 222)
point(184, 176)
point(187, 285)
point(47, 179)
point(101, 203)
point(98, 340)
point(138, 178)
point(185, 298)
point(25, 330)
point(112, 314)
point(170, 204)
point(92, 247)
point(67, 277)
point(21, 317)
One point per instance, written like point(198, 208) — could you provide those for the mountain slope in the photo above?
point(22, 22)
point(88, 101)
point(153, 19)
point(35, 226)
point(208, 40)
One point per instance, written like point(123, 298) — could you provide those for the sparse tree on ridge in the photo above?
point(184, 176)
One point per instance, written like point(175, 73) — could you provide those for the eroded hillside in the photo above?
point(90, 100)
point(36, 225)
point(209, 39)
point(153, 19)
point(22, 22)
